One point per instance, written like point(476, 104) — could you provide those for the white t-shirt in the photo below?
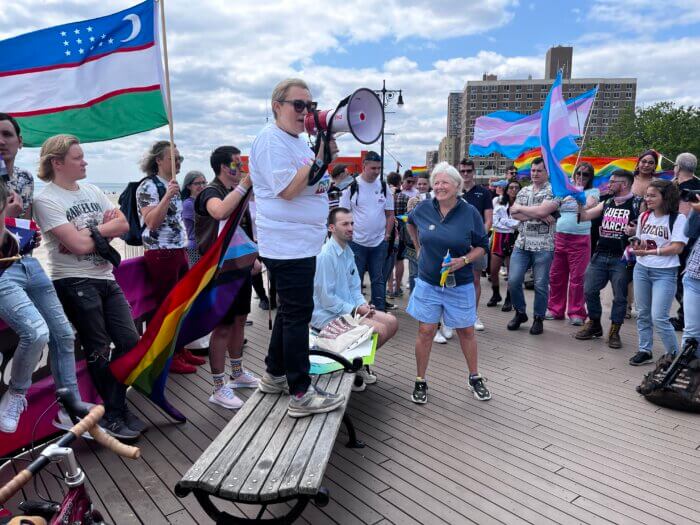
point(56, 206)
point(287, 229)
point(655, 230)
point(368, 205)
point(413, 192)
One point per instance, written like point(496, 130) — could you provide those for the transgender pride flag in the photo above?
point(557, 142)
point(97, 79)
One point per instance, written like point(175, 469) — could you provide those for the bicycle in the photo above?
point(76, 507)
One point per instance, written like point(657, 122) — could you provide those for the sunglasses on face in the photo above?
point(583, 173)
point(299, 105)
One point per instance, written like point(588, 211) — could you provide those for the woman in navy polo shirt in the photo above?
point(438, 225)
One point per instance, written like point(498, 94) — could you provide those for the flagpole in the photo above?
point(167, 90)
point(585, 129)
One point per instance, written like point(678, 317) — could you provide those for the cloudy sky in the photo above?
point(225, 58)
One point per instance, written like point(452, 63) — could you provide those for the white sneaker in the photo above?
point(447, 332)
point(478, 325)
point(11, 407)
point(503, 271)
point(439, 338)
point(367, 376)
point(360, 388)
point(245, 380)
point(225, 397)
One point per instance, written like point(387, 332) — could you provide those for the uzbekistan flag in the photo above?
point(97, 79)
point(192, 309)
point(557, 142)
point(510, 133)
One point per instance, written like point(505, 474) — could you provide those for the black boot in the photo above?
point(495, 298)
point(507, 305)
point(518, 319)
point(537, 326)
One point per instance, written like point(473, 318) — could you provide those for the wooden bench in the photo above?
point(264, 456)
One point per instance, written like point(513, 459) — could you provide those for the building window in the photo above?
point(529, 104)
point(518, 96)
point(528, 95)
point(518, 88)
point(472, 105)
point(628, 95)
point(484, 106)
point(605, 121)
point(616, 94)
point(494, 105)
point(494, 88)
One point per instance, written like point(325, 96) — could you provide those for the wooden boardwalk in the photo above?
point(565, 439)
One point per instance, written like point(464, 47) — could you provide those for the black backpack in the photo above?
point(129, 207)
point(355, 189)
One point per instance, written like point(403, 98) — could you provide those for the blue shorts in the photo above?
point(456, 306)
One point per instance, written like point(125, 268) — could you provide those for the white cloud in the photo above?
point(646, 16)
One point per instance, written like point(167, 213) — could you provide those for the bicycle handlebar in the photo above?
point(87, 424)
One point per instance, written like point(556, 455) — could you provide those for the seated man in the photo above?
point(337, 286)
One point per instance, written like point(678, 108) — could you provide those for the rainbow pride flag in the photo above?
point(604, 166)
point(193, 308)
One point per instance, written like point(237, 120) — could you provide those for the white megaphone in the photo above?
point(361, 114)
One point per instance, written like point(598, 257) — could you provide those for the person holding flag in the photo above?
point(448, 234)
point(28, 300)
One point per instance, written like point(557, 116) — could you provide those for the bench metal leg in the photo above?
point(224, 518)
point(353, 442)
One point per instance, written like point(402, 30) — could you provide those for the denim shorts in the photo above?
point(456, 306)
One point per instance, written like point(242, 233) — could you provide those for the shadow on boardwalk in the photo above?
point(565, 439)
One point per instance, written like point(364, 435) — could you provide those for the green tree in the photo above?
point(665, 127)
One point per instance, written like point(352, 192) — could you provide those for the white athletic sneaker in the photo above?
point(447, 332)
point(11, 407)
point(439, 338)
point(503, 271)
point(478, 325)
point(367, 375)
point(245, 380)
point(225, 397)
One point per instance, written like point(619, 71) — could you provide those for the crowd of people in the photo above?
point(318, 234)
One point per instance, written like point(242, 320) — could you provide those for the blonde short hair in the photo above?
point(447, 169)
point(280, 92)
point(53, 148)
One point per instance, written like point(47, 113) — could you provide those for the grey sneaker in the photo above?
point(314, 401)
point(270, 384)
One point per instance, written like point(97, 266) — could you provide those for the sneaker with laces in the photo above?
point(577, 321)
point(314, 401)
point(390, 306)
point(358, 385)
point(270, 384)
point(245, 380)
point(439, 338)
point(225, 397)
point(641, 358)
point(420, 393)
point(134, 422)
point(11, 407)
point(367, 375)
point(478, 325)
point(478, 388)
point(447, 332)
point(118, 429)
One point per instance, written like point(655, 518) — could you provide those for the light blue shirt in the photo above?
point(567, 222)
point(336, 284)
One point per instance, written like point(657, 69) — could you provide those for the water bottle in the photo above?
point(4, 175)
point(450, 282)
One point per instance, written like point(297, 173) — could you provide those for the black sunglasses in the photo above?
point(299, 105)
point(583, 173)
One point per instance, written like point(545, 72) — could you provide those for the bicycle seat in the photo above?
point(75, 409)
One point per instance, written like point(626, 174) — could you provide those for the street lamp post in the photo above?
point(387, 96)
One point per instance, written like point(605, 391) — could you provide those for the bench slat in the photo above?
point(270, 490)
point(220, 467)
point(191, 478)
point(232, 484)
point(290, 483)
point(316, 467)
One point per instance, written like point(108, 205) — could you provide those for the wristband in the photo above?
point(240, 189)
point(658, 251)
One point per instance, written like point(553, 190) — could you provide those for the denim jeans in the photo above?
point(691, 307)
point(101, 315)
point(654, 290)
point(288, 353)
point(605, 267)
point(372, 260)
point(30, 306)
point(520, 261)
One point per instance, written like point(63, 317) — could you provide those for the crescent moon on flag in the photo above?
point(135, 26)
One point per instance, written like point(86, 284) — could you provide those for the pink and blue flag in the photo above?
point(558, 142)
point(510, 133)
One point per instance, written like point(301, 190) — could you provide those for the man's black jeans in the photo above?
point(288, 353)
point(100, 313)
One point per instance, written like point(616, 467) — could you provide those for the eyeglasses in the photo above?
point(299, 105)
point(199, 183)
point(466, 171)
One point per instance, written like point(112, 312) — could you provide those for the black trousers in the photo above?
point(100, 313)
point(288, 353)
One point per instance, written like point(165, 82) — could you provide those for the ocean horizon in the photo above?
point(107, 187)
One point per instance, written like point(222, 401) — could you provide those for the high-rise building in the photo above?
point(431, 159)
point(449, 150)
point(559, 57)
point(481, 97)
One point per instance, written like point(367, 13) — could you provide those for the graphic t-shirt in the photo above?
point(172, 232)
point(535, 235)
point(85, 207)
point(22, 183)
point(655, 231)
point(287, 229)
point(612, 238)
